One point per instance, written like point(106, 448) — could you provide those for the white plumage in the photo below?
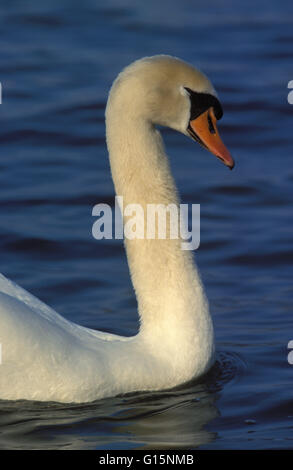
point(46, 357)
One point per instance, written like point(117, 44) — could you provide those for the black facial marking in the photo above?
point(211, 125)
point(201, 102)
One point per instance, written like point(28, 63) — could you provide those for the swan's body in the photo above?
point(46, 357)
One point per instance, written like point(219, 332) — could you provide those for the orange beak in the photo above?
point(204, 130)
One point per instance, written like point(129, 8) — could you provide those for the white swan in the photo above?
point(46, 357)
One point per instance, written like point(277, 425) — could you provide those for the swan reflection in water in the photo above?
point(175, 419)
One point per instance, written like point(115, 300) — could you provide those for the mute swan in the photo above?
point(48, 358)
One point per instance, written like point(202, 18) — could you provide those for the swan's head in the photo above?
point(167, 91)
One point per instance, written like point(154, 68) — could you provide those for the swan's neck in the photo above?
point(168, 289)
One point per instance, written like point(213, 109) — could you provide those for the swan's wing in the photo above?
point(15, 291)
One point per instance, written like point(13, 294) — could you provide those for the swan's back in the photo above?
point(45, 356)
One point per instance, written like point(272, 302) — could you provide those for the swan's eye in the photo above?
point(201, 102)
point(211, 125)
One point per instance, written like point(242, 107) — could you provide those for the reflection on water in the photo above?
point(147, 421)
point(174, 419)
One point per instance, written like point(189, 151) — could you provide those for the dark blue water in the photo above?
point(57, 61)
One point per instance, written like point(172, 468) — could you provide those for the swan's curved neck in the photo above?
point(165, 278)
